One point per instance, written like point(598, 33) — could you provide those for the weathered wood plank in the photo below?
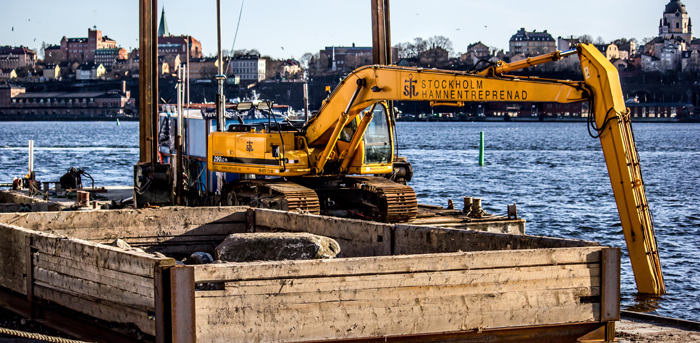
point(166, 222)
point(219, 322)
point(12, 257)
point(488, 280)
point(410, 239)
point(124, 281)
point(107, 257)
point(94, 307)
point(395, 264)
point(348, 229)
point(94, 290)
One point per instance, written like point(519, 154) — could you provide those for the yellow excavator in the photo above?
point(338, 162)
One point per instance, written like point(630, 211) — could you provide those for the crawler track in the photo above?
point(396, 202)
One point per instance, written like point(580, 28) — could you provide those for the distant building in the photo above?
point(170, 45)
point(250, 68)
point(564, 44)
point(7, 92)
point(348, 58)
point(52, 71)
point(7, 73)
point(675, 22)
point(289, 68)
point(610, 51)
point(84, 49)
point(16, 57)
point(53, 53)
point(15, 101)
point(694, 44)
point(89, 71)
point(203, 68)
point(651, 63)
point(690, 61)
point(479, 50)
point(107, 57)
point(475, 52)
point(531, 43)
point(177, 45)
point(619, 64)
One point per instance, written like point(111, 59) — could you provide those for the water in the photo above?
point(555, 173)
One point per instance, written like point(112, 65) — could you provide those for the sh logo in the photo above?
point(249, 146)
point(409, 90)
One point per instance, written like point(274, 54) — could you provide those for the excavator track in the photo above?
point(280, 195)
point(396, 202)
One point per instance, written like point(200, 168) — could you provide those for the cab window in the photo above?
point(377, 138)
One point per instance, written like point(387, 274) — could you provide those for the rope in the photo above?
point(31, 335)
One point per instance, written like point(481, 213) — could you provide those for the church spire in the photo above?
point(163, 27)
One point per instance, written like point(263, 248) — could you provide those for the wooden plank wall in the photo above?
point(397, 295)
point(104, 282)
point(361, 238)
point(175, 230)
point(355, 237)
point(411, 239)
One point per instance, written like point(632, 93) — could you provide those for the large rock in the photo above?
point(246, 247)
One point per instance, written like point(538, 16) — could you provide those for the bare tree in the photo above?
point(42, 51)
point(646, 40)
point(440, 42)
point(586, 39)
point(599, 40)
point(305, 59)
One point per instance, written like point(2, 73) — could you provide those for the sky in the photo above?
point(288, 29)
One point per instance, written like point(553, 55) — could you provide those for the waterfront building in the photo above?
point(346, 58)
point(171, 45)
point(203, 68)
point(16, 57)
point(690, 61)
point(675, 22)
point(290, 68)
point(620, 64)
point(15, 101)
point(107, 57)
point(7, 74)
point(475, 52)
point(53, 54)
point(250, 68)
point(651, 63)
point(84, 49)
point(531, 43)
point(89, 71)
point(52, 71)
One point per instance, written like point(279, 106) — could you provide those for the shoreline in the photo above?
point(64, 118)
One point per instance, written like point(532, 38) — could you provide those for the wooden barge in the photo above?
point(398, 283)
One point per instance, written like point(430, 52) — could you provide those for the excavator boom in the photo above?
point(331, 143)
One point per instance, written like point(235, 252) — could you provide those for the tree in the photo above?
point(586, 39)
point(599, 40)
point(42, 51)
point(54, 56)
point(305, 60)
point(646, 40)
point(440, 42)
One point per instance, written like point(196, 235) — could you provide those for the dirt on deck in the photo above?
point(637, 331)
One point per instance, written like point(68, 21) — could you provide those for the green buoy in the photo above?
point(118, 122)
point(481, 148)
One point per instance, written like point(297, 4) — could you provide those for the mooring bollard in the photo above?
point(481, 148)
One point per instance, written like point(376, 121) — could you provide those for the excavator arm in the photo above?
point(608, 119)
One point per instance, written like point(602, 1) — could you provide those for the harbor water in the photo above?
point(555, 173)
